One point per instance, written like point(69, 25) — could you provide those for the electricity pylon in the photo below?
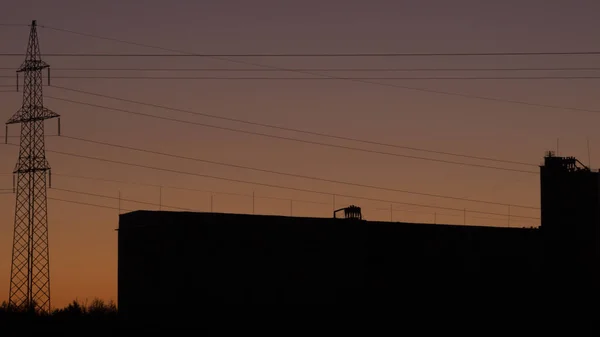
point(30, 268)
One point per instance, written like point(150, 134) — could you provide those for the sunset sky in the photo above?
point(83, 241)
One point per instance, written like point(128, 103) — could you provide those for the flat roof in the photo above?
point(157, 218)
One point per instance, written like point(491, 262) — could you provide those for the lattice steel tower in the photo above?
point(30, 269)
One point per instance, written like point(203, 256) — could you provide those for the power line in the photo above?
point(294, 139)
point(291, 174)
point(122, 199)
point(297, 55)
point(443, 214)
point(14, 25)
point(326, 69)
point(264, 184)
point(187, 189)
point(392, 85)
point(313, 133)
point(136, 201)
point(257, 78)
point(418, 212)
point(89, 204)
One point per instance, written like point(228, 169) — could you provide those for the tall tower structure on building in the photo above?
point(30, 268)
point(570, 200)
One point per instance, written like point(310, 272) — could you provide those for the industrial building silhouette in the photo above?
point(187, 260)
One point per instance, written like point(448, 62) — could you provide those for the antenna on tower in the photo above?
point(30, 267)
point(589, 155)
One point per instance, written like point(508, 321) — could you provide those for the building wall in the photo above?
point(178, 258)
point(570, 215)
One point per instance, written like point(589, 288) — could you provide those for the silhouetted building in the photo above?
point(188, 260)
point(570, 200)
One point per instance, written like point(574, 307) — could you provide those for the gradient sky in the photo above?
point(82, 238)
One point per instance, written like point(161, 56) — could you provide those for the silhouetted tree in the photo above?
point(98, 308)
point(98, 317)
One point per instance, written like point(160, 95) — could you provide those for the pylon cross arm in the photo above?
point(32, 65)
point(23, 116)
